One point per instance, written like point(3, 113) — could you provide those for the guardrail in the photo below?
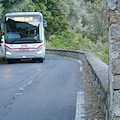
point(98, 73)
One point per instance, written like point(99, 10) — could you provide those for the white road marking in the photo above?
point(80, 62)
point(24, 85)
point(80, 110)
point(21, 88)
point(16, 94)
point(29, 82)
point(81, 69)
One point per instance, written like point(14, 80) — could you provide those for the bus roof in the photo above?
point(23, 13)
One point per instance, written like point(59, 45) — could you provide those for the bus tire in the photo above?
point(41, 60)
point(9, 61)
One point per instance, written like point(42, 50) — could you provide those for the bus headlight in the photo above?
point(40, 51)
point(8, 52)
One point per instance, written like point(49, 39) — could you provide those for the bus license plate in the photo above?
point(24, 50)
point(23, 56)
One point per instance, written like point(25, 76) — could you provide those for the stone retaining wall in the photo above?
point(98, 72)
point(113, 10)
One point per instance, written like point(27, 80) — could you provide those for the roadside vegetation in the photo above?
point(2, 59)
point(72, 24)
point(73, 41)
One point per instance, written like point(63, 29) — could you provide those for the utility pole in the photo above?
point(113, 9)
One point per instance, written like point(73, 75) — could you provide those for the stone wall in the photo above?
point(113, 9)
point(98, 73)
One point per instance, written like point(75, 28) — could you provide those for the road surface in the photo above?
point(40, 91)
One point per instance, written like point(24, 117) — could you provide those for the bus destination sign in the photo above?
point(27, 19)
point(23, 19)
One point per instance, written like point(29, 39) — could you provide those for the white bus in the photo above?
point(24, 36)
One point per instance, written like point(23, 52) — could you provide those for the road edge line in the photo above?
point(80, 110)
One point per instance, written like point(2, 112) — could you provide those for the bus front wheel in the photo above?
point(9, 61)
point(41, 60)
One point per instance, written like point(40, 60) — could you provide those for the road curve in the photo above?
point(40, 91)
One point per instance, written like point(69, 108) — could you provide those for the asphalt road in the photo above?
point(40, 91)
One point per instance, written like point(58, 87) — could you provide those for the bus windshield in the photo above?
point(19, 30)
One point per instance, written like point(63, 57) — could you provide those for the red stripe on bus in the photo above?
point(24, 48)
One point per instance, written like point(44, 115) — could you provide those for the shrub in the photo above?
point(73, 41)
point(2, 59)
point(102, 51)
point(70, 40)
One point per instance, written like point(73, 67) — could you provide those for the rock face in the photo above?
point(113, 7)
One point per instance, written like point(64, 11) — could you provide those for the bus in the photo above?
point(24, 37)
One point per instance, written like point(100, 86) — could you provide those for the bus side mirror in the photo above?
point(44, 23)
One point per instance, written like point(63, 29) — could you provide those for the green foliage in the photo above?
point(2, 59)
point(13, 5)
point(54, 11)
point(66, 40)
point(1, 9)
point(73, 41)
point(70, 40)
point(86, 19)
point(101, 50)
point(97, 27)
point(90, 1)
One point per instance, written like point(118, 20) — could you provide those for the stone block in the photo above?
point(115, 55)
point(116, 46)
point(114, 32)
point(118, 5)
point(114, 17)
point(116, 66)
point(116, 82)
point(112, 4)
point(116, 103)
point(116, 117)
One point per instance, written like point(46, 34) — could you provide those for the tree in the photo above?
point(55, 12)
point(90, 1)
point(1, 9)
point(97, 27)
point(13, 5)
point(8, 6)
point(78, 16)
